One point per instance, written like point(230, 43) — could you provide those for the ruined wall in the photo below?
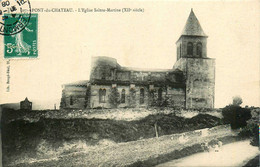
point(200, 81)
point(73, 97)
point(123, 75)
point(176, 96)
point(148, 76)
point(103, 68)
point(107, 69)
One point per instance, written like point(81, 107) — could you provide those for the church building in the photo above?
point(189, 84)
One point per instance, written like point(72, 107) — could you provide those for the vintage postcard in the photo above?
point(129, 83)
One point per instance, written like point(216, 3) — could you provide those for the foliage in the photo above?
point(114, 97)
point(87, 98)
point(155, 101)
point(251, 130)
point(151, 97)
point(236, 116)
point(237, 101)
point(132, 97)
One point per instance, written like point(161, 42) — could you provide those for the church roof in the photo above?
point(77, 83)
point(192, 27)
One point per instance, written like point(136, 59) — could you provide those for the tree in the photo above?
point(237, 101)
point(132, 95)
point(151, 97)
point(114, 97)
point(252, 131)
point(236, 116)
point(87, 98)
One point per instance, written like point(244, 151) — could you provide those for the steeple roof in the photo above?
point(192, 27)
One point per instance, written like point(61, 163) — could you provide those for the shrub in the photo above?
point(237, 101)
point(251, 130)
point(87, 98)
point(132, 97)
point(114, 97)
point(236, 116)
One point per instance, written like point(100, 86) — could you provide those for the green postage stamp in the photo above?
point(25, 43)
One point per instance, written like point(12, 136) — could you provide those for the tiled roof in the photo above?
point(192, 27)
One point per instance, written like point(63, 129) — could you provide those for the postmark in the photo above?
point(25, 43)
point(14, 16)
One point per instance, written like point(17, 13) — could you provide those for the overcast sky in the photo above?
point(67, 41)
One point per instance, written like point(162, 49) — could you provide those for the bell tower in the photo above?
point(198, 68)
point(193, 41)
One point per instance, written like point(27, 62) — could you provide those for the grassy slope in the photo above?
point(22, 137)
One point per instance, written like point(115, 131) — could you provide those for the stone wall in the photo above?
point(200, 81)
point(176, 95)
point(183, 42)
point(73, 97)
point(106, 69)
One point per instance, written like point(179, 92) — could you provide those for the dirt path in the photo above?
point(234, 154)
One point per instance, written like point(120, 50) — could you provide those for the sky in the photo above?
point(67, 41)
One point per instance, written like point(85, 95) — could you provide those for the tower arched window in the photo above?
point(71, 100)
point(190, 49)
point(160, 94)
point(142, 96)
point(180, 50)
point(123, 96)
point(102, 95)
point(199, 49)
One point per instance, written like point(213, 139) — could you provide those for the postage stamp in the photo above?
point(25, 43)
point(14, 16)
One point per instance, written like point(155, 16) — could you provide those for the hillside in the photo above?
point(24, 137)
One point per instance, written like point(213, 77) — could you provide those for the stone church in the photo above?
point(189, 84)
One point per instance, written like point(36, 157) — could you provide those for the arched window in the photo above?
point(180, 50)
point(142, 96)
point(190, 49)
point(199, 49)
point(102, 95)
point(123, 96)
point(71, 100)
point(160, 94)
point(196, 83)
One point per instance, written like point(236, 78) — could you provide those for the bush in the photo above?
point(114, 97)
point(251, 130)
point(132, 97)
point(237, 101)
point(236, 116)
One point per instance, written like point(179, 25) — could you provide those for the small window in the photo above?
point(160, 94)
point(142, 96)
point(102, 95)
point(190, 49)
point(71, 100)
point(123, 96)
point(199, 49)
point(180, 50)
